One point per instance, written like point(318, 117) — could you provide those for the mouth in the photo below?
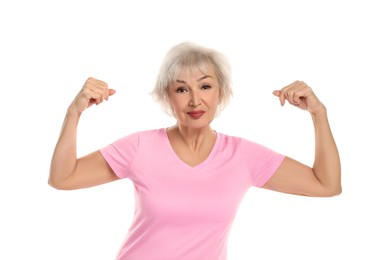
point(196, 114)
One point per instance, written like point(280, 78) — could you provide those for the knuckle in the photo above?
point(90, 79)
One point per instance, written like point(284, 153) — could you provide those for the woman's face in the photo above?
point(194, 98)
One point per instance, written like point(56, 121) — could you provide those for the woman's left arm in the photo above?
point(324, 178)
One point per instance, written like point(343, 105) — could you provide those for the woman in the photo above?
point(189, 179)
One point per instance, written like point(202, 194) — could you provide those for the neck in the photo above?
point(193, 138)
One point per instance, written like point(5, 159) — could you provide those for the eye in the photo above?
point(206, 86)
point(181, 90)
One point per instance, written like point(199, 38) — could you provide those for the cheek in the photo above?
point(217, 99)
point(176, 103)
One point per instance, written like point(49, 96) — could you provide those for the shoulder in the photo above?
point(232, 140)
point(146, 134)
point(228, 140)
point(241, 144)
point(139, 137)
point(230, 144)
point(151, 136)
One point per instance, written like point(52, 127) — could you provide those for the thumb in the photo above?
point(276, 93)
point(111, 92)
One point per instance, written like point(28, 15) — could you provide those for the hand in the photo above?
point(94, 91)
point(299, 94)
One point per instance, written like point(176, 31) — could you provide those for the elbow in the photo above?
point(331, 187)
point(59, 180)
point(338, 191)
point(335, 191)
point(54, 185)
point(58, 185)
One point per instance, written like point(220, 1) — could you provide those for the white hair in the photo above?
point(190, 56)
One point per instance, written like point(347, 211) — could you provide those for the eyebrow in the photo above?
point(200, 79)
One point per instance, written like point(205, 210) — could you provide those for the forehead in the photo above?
point(194, 70)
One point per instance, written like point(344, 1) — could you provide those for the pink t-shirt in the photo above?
point(184, 212)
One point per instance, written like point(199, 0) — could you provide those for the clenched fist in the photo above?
point(94, 91)
point(300, 95)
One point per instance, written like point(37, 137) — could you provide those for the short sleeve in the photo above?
point(262, 162)
point(121, 153)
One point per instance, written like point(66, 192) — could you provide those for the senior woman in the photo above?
point(188, 178)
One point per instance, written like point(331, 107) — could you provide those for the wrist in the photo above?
point(318, 110)
point(73, 112)
point(319, 115)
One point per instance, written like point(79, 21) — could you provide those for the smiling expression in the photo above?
point(194, 97)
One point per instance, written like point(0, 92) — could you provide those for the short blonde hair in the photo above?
point(190, 56)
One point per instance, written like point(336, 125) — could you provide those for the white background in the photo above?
point(340, 48)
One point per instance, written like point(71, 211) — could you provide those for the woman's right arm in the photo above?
point(67, 172)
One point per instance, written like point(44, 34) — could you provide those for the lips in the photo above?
point(196, 114)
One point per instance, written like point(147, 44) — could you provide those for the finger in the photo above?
point(111, 92)
point(277, 93)
point(282, 99)
point(299, 93)
point(108, 92)
point(96, 81)
point(281, 96)
point(98, 86)
point(290, 92)
point(93, 96)
point(99, 91)
point(285, 92)
point(102, 88)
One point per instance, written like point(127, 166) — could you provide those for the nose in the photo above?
point(195, 99)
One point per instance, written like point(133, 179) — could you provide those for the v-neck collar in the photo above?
point(174, 155)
